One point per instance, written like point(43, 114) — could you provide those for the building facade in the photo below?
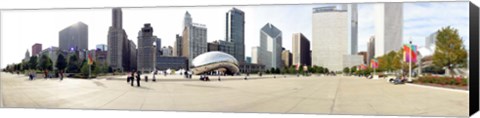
point(170, 62)
point(388, 27)
point(36, 48)
point(286, 58)
point(235, 32)
point(301, 50)
point(74, 37)
point(364, 55)
point(270, 50)
point(255, 54)
point(27, 56)
point(213, 46)
point(167, 51)
point(146, 50)
point(118, 57)
point(334, 35)
point(132, 52)
point(431, 40)
point(370, 49)
point(177, 47)
point(194, 40)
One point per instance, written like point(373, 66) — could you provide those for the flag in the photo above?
point(90, 60)
point(410, 52)
point(374, 63)
point(362, 67)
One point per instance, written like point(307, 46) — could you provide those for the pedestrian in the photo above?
point(185, 73)
point(45, 73)
point(61, 74)
point(146, 78)
point(138, 78)
point(132, 76)
point(154, 73)
point(30, 74)
point(129, 76)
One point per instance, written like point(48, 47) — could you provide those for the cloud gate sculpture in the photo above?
point(215, 60)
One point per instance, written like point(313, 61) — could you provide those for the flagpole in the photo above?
point(410, 64)
point(89, 70)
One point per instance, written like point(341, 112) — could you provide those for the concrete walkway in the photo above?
point(310, 95)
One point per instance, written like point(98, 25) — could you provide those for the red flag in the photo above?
point(90, 60)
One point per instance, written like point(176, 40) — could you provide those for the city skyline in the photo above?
point(416, 25)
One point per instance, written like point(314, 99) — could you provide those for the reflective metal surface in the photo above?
point(211, 61)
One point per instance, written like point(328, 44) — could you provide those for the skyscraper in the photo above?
point(194, 37)
point(117, 43)
point(36, 48)
point(270, 51)
point(431, 40)
point(255, 55)
point(370, 49)
point(132, 52)
point(235, 32)
point(177, 47)
point(74, 37)
point(27, 56)
point(167, 51)
point(286, 58)
point(388, 27)
point(334, 36)
point(301, 50)
point(146, 50)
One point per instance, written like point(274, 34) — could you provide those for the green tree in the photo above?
point(353, 69)
point(272, 70)
point(84, 70)
point(61, 62)
point(45, 63)
point(346, 70)
point(450, 51)
point(32, 63)
point(72, 66)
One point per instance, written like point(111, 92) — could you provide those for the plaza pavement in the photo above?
point(310, 95)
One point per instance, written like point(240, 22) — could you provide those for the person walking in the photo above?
point(61, 74)
point(128, 77)
point(153, 77)
point(138, 78)
point(132, 76)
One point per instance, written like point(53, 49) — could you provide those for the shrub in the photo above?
point(458, 81)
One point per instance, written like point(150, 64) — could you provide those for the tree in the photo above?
point(272, 70)
point(61, 62)
point(450, 51)
point(72, 66)
point(346, 70)
point(353, 69)
point(45, 63)
point(84, 70)
point(277, 70)
point(32, 63)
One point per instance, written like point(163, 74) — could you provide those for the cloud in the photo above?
point(423, 19)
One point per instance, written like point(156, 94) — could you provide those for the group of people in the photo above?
point(132, 76)
point(188, 74)
point(135, 76)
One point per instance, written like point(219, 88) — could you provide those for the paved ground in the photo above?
point(316, 95)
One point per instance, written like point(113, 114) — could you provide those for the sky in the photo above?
point(20, 29)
